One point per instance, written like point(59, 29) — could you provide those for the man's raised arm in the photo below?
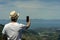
point(28, 24)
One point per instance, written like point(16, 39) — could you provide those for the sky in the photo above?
point(35, 9)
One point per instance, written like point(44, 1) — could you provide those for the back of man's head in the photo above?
point(14, 16)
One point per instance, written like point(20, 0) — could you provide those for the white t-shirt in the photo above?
point(14, 30)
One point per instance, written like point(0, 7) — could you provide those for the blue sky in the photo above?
point(36, 9)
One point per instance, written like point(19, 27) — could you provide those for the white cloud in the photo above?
point(34, 4)
point(35, 9)
point(27, 5)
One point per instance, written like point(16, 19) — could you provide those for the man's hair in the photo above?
point(14, 19)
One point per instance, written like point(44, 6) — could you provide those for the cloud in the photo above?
point(34, 4)
point(30, 4)
point(34, 8)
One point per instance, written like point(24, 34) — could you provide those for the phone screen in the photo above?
point(27, 18)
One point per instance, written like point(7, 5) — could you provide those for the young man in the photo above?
point(13, 30)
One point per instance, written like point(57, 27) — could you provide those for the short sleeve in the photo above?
point(4, 30)
point(23, 26)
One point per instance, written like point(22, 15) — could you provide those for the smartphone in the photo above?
point(27, 18)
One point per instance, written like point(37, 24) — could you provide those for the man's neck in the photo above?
point(13, 22)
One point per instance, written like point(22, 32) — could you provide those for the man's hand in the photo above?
point(28, 24)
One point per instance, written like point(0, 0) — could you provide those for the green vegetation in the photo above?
point(32, 35)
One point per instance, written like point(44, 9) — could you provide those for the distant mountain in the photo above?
point(36, 23)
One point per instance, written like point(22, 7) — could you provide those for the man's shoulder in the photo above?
point(7, 24)
point(22, 24)
point(19, 24)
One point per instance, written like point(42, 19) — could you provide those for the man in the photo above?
point(13, 30)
